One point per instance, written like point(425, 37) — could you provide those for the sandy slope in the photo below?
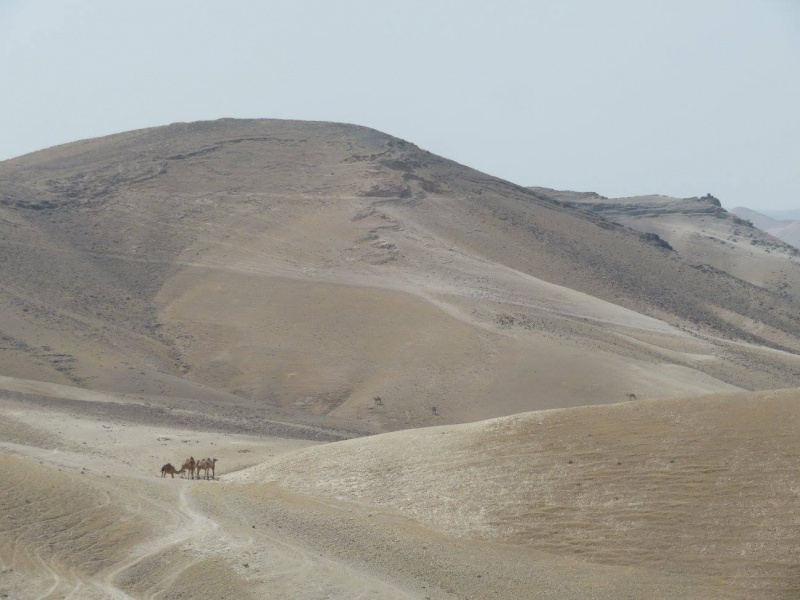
point(556, 504)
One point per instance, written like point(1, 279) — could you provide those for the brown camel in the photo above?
point(205, 464)
point(188, 465)
point(631, 396)
point(168, 468)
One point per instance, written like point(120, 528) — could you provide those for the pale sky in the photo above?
point(621, 97)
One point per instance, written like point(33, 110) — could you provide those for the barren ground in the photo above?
point(244, 289)
point(653, 499)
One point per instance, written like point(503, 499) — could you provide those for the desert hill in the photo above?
point(787, 230)
point(243, 290)
point(302, 268)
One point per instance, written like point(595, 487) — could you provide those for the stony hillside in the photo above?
point(304, 268)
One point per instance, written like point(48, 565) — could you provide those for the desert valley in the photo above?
point(417, 380)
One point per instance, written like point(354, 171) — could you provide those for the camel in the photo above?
point(205, 464)
point(631, 396)
point(378, 401)
point(434, 411)
point(189, 465)
point(168, 468)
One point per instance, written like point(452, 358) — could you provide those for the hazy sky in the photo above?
point(621, 97)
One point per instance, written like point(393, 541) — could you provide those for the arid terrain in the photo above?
point(693, 498)
point(787, 230)
point(417, 378)
point(700, 231)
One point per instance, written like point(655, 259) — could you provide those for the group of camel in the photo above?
point(191, 468)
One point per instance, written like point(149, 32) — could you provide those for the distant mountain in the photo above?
point(783, 215)
point(760, 220)
point(700, 231)
point(302, 268)
point(785, 229)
